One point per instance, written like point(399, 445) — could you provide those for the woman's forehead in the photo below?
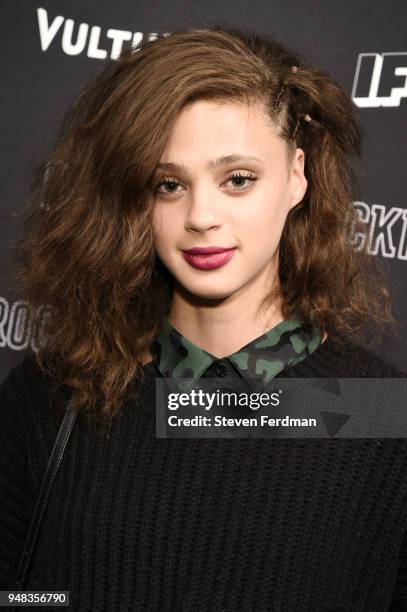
point(221, 130)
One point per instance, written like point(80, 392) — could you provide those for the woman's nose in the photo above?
point(202, 211)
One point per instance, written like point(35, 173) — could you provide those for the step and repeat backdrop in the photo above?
point(51, 50)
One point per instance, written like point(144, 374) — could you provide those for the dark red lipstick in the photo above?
point(208, 258)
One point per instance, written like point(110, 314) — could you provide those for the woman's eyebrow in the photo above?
point(215, 163)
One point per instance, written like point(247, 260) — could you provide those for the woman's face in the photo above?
point(209, 193)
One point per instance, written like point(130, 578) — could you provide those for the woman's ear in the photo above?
point(297, 178)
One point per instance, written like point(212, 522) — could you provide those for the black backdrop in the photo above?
point(50, 50)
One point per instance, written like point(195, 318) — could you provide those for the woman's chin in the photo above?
point(207, 291)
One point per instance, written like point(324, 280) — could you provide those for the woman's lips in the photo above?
point(209, 261)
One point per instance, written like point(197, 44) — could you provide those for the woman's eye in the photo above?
point(171, 183)
point(241, 180)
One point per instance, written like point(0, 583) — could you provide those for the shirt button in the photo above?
point(221, 370)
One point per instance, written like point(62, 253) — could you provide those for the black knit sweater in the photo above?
point(146, 524)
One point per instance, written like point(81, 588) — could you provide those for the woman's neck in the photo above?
point(221, 326)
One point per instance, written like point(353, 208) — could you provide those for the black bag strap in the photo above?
point(45, 490)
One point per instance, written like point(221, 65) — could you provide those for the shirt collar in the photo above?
point(263, 358)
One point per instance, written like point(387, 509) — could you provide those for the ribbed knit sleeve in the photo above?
point(15, 493)
point(399, 599)
point(29, 420)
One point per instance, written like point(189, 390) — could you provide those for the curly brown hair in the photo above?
point(87, 245)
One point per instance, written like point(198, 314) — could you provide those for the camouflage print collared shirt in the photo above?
point(282, 346)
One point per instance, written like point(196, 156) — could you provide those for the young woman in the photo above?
point(195, 220)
